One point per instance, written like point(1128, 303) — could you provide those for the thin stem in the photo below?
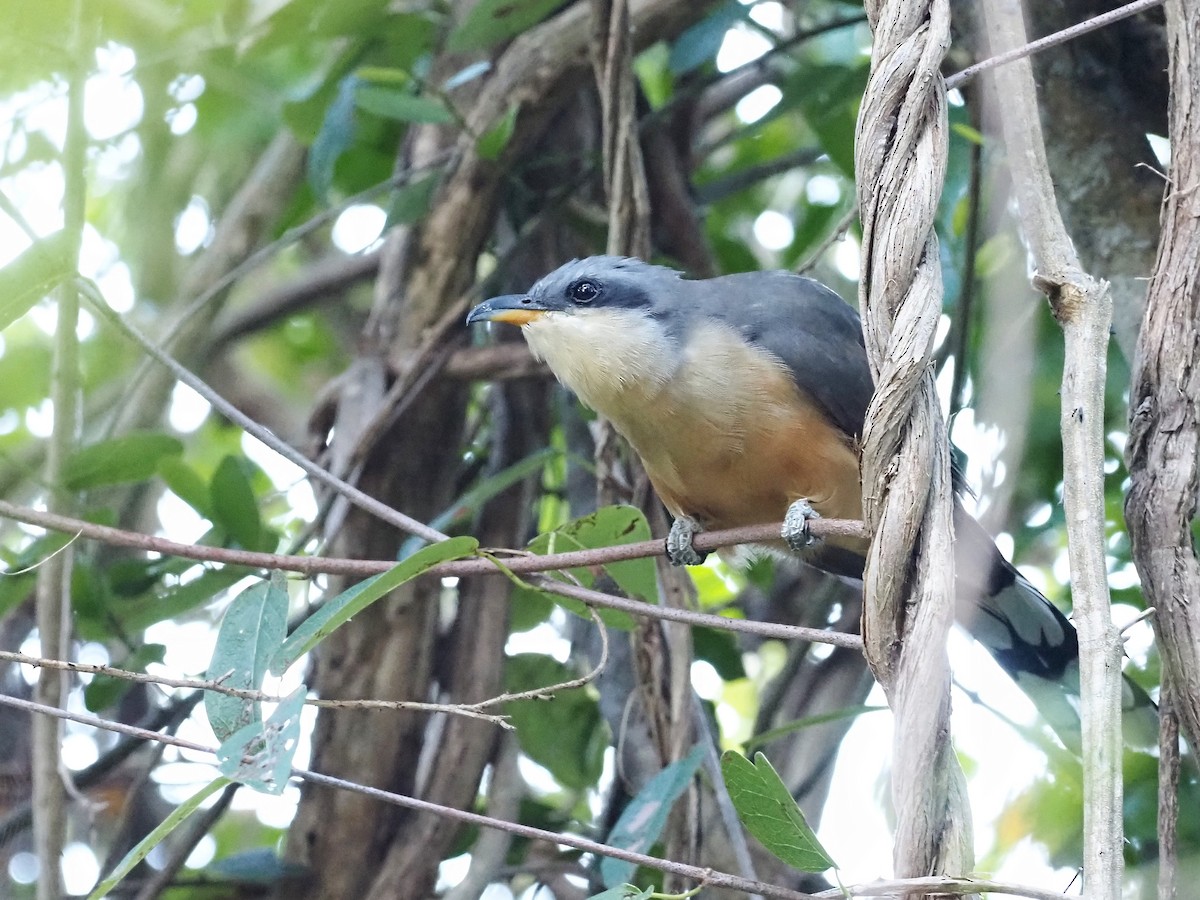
point(707, 877)
point(360, 499)
point(54, 579)
point(312, 565)
point(1051, 40)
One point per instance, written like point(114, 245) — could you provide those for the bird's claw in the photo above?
point(795, 531)
point(680, 550)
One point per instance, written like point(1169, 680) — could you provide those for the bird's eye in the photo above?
point(584, 291)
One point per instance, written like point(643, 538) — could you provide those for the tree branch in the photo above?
point(313, 565)
point(53, 594)
point(701, 876)
point(1083, 306)
point(1164, 428)
point(959, 79)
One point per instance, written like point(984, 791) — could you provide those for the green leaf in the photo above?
point(643, 819)
point(134, 457)
point(605, 527)
point(234, 506)
point(32, 275)
point(721, 650)
point(340, 609)
point(25, 374)
point(770, 813)
point(994, 254)
point(492, 21)
point(186, 483)
point(493, 141)
point(251, 632)
point(566, 735)
point(159, 605)
point(338, 129)
point(971, 134)
point(829, 97)
point(393, 103)
point(259, 755)
point(385, 75)
point(176, 818)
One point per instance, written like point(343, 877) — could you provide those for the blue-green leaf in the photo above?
point(643, 819)
point(700, 43)
point(251, 632)
point(260, 754)
point(338, 129)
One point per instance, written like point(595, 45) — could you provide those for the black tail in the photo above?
point(1030, 638)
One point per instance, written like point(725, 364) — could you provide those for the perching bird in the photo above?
point(744, 397)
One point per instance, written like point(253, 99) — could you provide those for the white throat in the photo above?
point(604, 354)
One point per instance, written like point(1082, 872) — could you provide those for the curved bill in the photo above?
point(515, 309)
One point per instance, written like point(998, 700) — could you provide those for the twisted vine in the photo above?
point(900, 158)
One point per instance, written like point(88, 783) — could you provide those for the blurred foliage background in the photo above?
point(297, 200)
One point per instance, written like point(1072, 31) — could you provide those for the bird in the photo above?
point(744, 396)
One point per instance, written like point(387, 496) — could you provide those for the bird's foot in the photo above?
point(680, 550)
point(795, 531)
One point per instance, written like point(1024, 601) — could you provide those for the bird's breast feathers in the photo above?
point(724, 432)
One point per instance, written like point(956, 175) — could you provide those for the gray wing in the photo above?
point(808, 326)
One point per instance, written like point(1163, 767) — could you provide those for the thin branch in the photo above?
point(285, 240)
point(1083, 306)
point(363, 501)
point(720, 188)
point(674, 614)
point(838, 233)
point(702, 876)
point(53, 593)
point(941, 885)
point(707, 877)
point(1051, 40)
point(311, 565)
point(19, 818)
point(470, 710)
point(1168, 791)
point(524, 564)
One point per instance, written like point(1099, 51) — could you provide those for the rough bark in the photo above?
point(1164, 431)
point(355, 847)
point(1099, 96)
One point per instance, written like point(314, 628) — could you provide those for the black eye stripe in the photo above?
point(584, 290)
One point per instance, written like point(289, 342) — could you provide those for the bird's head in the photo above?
point(602, 324)
point(588, 287)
